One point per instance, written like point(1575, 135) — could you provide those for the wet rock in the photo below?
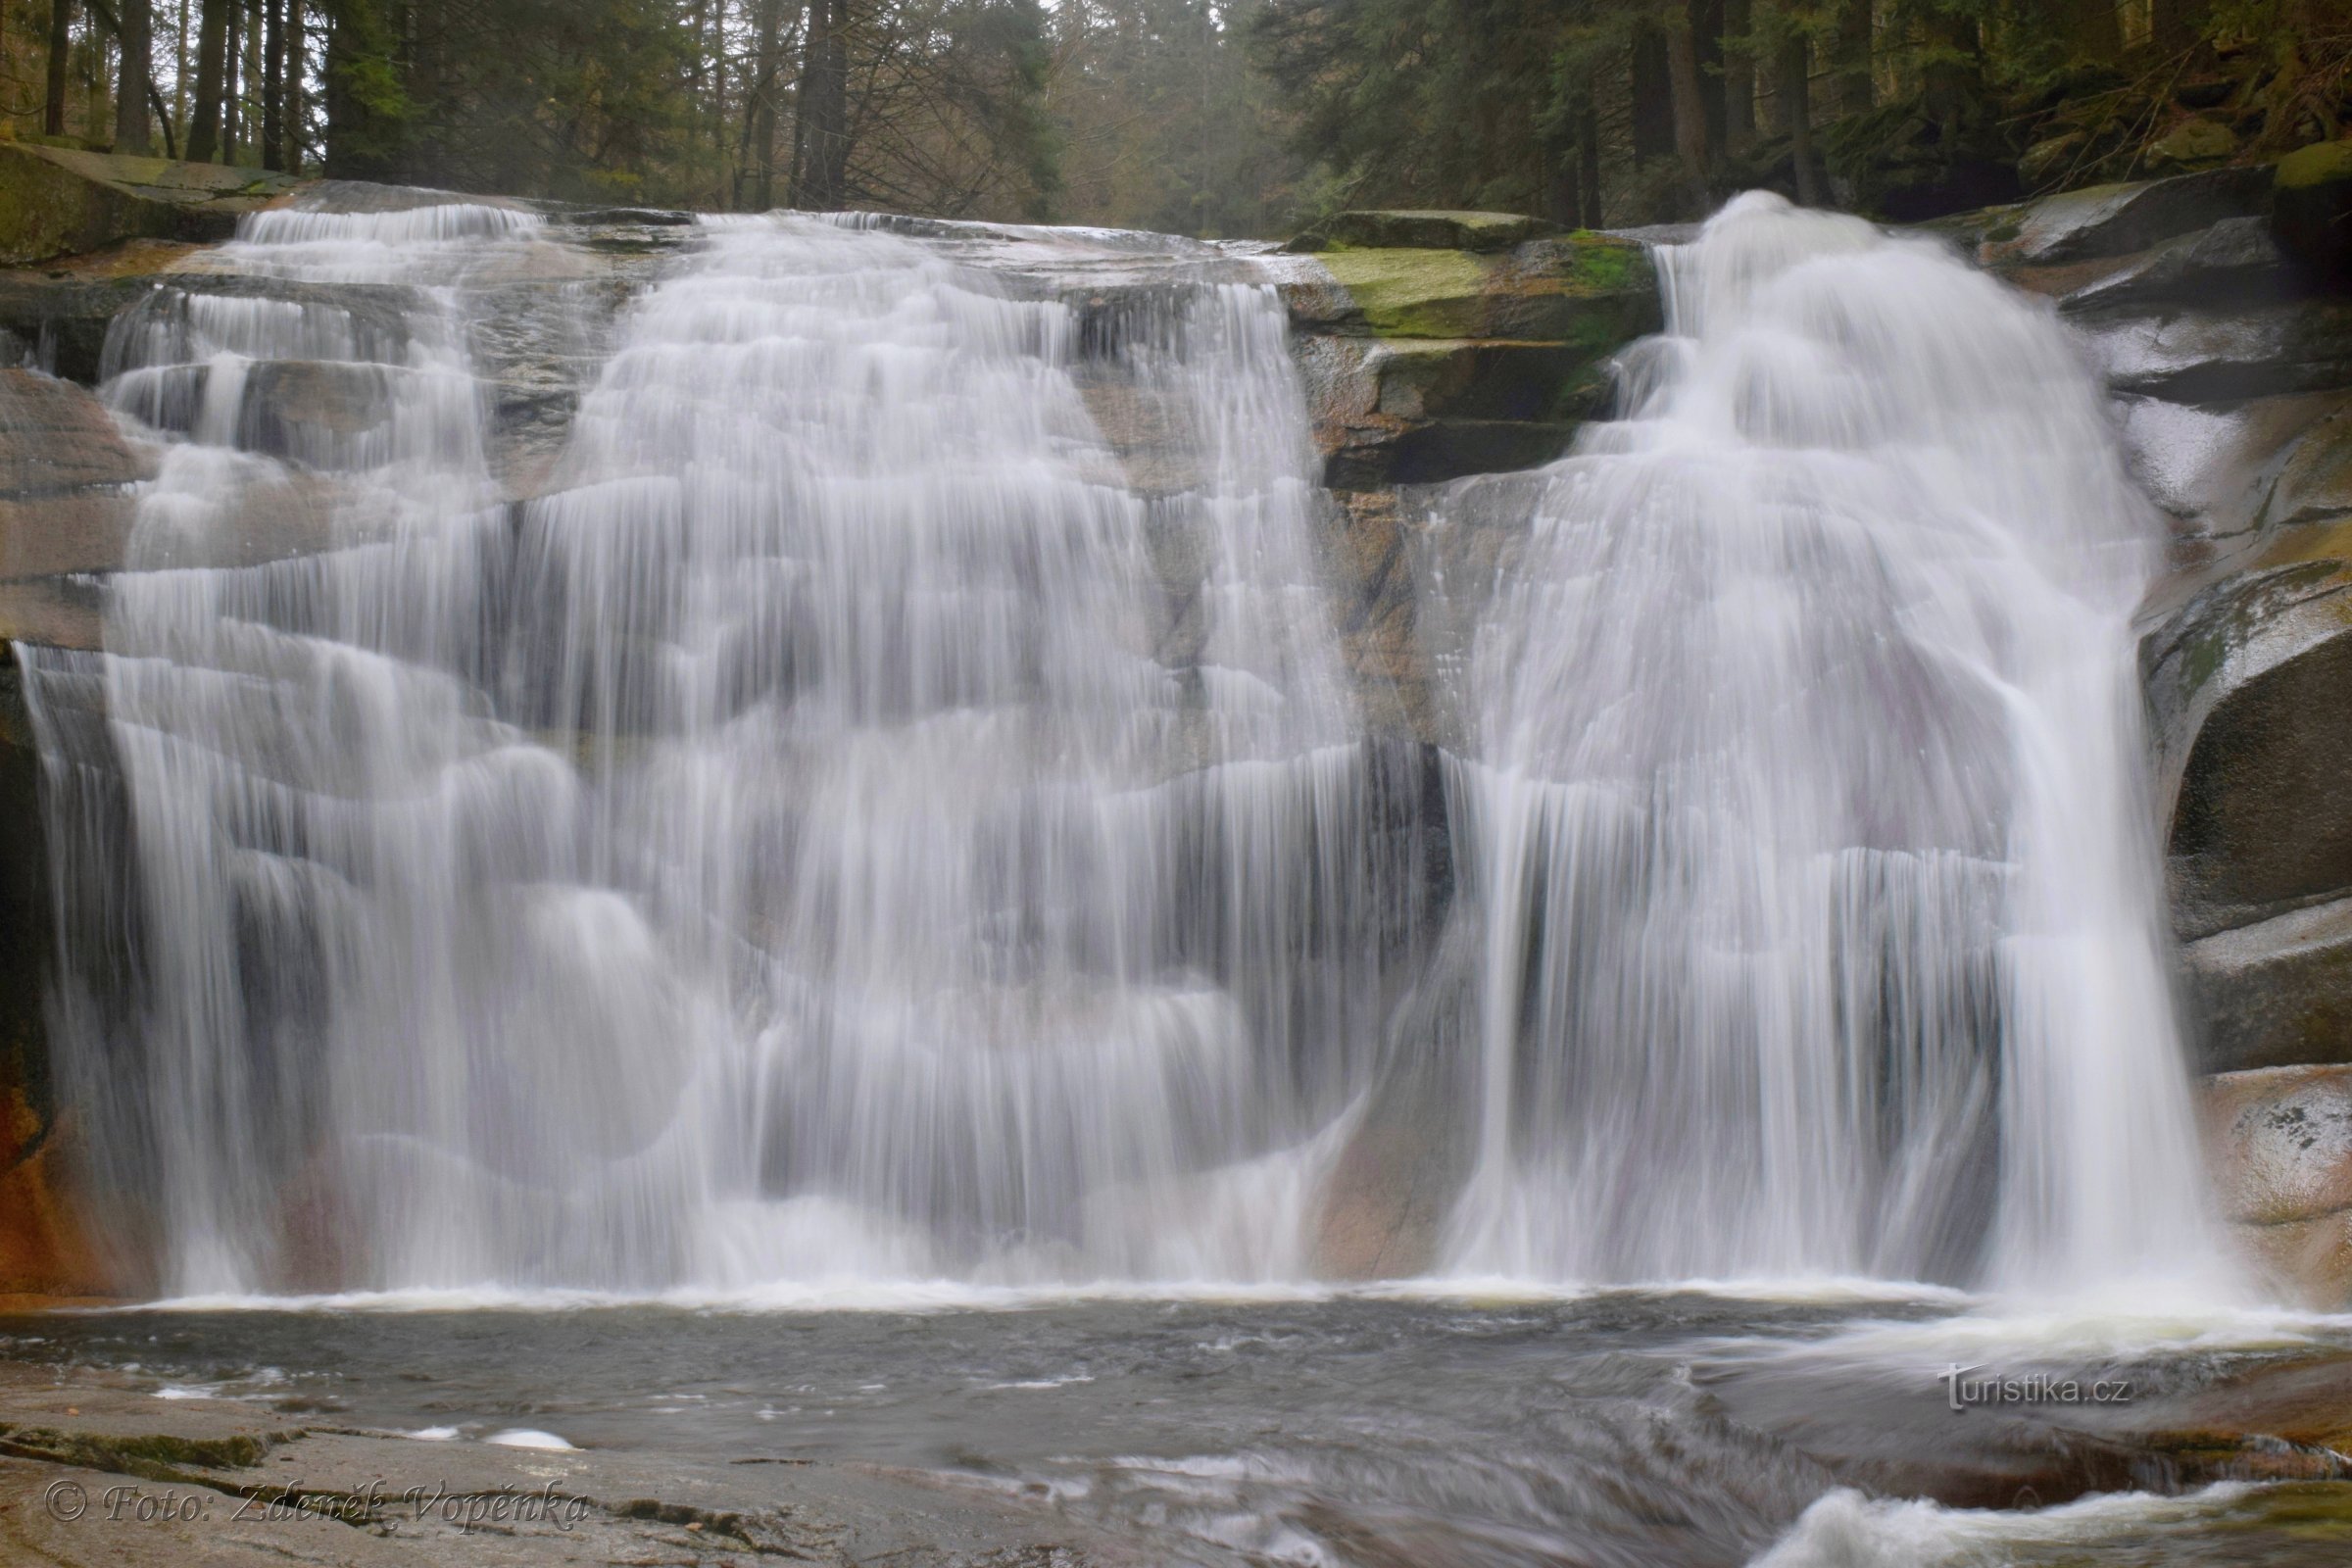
point(2205, 355)
point(66, 473)
point(2276, 993)
point(60, 323)
point(2234, 262)
point(1428, 365)
point(2312, 209)
point(2109, 220)
point(1399, 1176)
point(1423, 230)
point(2280, 1141)
point(2218, 471)
point(58, 201)
point(2253, 738)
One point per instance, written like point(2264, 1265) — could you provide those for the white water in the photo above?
point(1805, 802)
point(815, 839)
point(846, 830)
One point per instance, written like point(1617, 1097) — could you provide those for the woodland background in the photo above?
point(1216, 117)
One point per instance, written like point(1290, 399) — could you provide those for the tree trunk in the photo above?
point(820, 173)
point(1706, 39)
point(1588, 155)
point(291, 105)
point(1690, 107)
point(212, 41)
point(61, 49)
point(1951, 77)
point(2091, 30)
point(2174, 24)
point(135, 36)
point(1852, 60)
point(1793, 88)
point(1739, 75)
point(273, 84)
point(759, 104)
point(1652, 93)
point(232, 125)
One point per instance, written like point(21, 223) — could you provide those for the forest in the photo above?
point(1212, 117)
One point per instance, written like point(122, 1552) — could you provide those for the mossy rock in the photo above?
point(2311, 213)
point(1595, 289)
point(1424, 230)
point(2194, 144)
point(63, 202)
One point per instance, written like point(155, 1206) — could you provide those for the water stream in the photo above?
point(875, 820)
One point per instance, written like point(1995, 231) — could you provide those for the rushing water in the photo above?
point(1823, 924)
point(841, 824)
point(848, 817)
point(1611, 1429)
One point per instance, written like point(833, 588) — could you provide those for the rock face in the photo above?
point(1436, 346)
point(2312, 214)
point(57, 201)
point(2233, 375)
point(2281, 1151)
point(1433, 352)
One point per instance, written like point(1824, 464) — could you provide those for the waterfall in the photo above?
point(1804, 806)
point(882, 801)
point(845, 820)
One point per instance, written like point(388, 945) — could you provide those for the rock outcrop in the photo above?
point(2281, 1151)
point(60, 201)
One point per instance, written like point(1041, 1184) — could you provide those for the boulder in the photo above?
point(2279, 1144)
point(2253, 738)
point(57, 201)
point(66, 475)
point(2311, 213)
point(2194, 143)
point(2277, 993)
point(2110, 220)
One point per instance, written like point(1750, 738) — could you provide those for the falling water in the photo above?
point(843, 821)
point(1804, 808)
point(882, 803)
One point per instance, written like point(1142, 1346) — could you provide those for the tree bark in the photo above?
point(231, 129)
point(1690, 107)
point(1793, 88)
point(61, 49)
point(2174, 24)
point(759, 104)
point(2091, 30)
point(134, 34)
point(1739, 75)
point(820, 166)
point(273, 84)
point(291, 99)
point(1652, 94)
point(1706, 41)
point(1951, 78)
point(1588, 154)
point(211, 42)
point(1852, 58)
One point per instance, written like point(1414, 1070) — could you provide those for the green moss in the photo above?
point(2324, 163)
point(1600, 263)
point(1415, 293)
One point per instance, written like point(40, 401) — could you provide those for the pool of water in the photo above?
point(1622, 1427)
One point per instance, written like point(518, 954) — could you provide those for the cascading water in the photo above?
point(841, 825)
point(850, 820)
point(1803, 807)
